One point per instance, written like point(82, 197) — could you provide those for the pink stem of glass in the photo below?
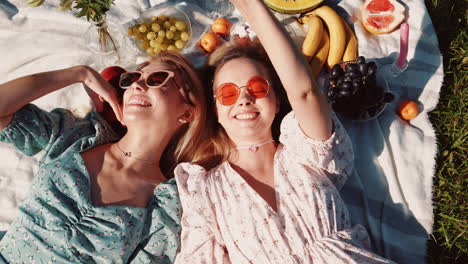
point(404, 34)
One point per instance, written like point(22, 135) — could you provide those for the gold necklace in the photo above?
point(129, 155)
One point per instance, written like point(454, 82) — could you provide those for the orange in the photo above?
point(221, 26)
point(382, 16)
point(408, 109)
point(209, 41)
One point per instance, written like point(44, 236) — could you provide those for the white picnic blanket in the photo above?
point(390, 191)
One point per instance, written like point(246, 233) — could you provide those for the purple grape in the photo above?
point(361, 60)
point(363, 68)
point(336, 71)
point(371, 68)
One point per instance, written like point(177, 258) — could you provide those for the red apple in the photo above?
point(112, 75)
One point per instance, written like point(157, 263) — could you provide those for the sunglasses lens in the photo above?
point(258, 87)
point(227, 94)
point(127, 79)
point(157, 78)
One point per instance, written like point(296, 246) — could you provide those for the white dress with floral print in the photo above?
point(224, 220)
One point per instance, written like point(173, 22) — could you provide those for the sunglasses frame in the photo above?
point(238, 89)
point(171, 74)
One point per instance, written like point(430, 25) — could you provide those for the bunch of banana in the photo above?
point(34, 3)
point(342, 43)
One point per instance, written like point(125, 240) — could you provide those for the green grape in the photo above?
point(173, 29)
point(156, 50)
point(167, 24)
point(150, 51)
point(163, 46)
point(151, 35)
point(162, 34)
point(159, 40)
point(142, 28)
point(155, 27)
point(171, 48)
point(153, 43)
point(184, 36)
point(180, 26)
point(179, 44)
point(169, 34)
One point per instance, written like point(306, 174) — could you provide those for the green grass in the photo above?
point(449, 243)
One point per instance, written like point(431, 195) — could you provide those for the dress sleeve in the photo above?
point(33, 129)
point(163, 237)
point(201, 240)
point(351, 245)
point(334, 156)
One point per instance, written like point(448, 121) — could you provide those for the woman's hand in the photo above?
point(100, 91)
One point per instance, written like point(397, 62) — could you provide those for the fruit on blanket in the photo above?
point(112, 75)
point(221, 26)
point(408, 109)
point(209, 41)
point(351, 47)
point(382, 16)
point(34, 3)
point(313, 37)
point(336, 30)
point(292, 7)
point(161, 33)
point(354, 92)
point(320, 57)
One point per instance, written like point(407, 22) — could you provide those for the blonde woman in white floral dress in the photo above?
point(257, 200)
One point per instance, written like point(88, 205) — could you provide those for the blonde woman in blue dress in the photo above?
point(95, 198)
point(262, 199)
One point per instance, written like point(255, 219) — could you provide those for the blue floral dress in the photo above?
point(58, 223)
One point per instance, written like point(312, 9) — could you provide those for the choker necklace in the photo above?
point(129, 155)
point(255, 147)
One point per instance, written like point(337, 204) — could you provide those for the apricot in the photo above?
point(408, 109)
point(209, 41)
point(221, 26)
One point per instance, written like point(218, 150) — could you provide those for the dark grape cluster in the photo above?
point(354, 92)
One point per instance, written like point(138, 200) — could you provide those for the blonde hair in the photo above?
point(185, 142)
point(217, 146)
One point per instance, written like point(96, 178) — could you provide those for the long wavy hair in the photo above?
point(217, 146)
point(187, 139)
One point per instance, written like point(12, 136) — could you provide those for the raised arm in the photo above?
point(17, 93)
point(308, 102)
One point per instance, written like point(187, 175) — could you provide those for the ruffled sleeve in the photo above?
point(351, 245)
point(201, 240)
point(33, 129)
point(162, 232)
point(334, 155)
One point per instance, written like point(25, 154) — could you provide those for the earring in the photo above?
point(183, 121)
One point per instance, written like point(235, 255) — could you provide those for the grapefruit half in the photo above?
point(382, 16)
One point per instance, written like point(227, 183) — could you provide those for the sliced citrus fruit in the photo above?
point(382, 16)
point(292, 6)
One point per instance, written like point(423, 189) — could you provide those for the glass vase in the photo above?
point(106, 40)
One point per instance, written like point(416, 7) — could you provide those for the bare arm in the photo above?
point(17, 93)
point(307, 100)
